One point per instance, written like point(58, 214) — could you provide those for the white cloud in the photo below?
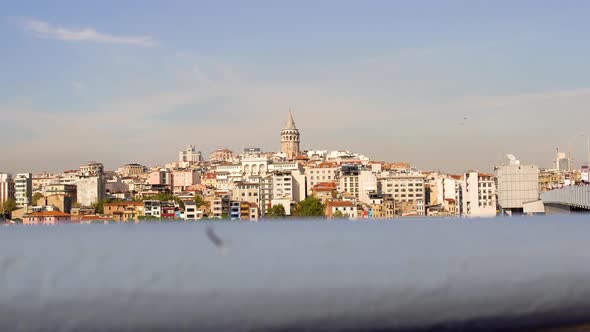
point(47, 30)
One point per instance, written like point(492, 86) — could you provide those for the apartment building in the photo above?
point(478, 195)
point(349, 180)
point(323, 172)
point(221, 155)
point(246, 192)
point(132, 170)
point(23, 189)
point(282, 186)
point(63, 196)
point(6, 187)
point(346, 208)
point(406, 188)
point(125, 211)
point(189, 156)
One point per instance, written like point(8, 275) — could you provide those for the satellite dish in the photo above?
point(512, 159)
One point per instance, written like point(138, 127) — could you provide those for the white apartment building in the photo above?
point(69, 177)
point(346, 208)
point(23, 189)
point(189, 155)
point(299, 185)
point(282, 186)
point(478, 195)
point(348, 180)
point(153, 208)
point(444, 191)
point(191, 211)
point(6, 187)
point(367, 185)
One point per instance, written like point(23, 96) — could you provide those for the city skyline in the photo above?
point(450, 86)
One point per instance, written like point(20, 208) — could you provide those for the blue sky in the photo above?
point(123, 81)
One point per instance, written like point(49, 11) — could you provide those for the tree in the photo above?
point(8, 206)
point(276, 211)
point(36, 197)
point(310, 207)
point(338, 214)
point(99, 206)
point(199, 201)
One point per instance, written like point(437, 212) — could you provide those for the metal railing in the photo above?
point(575, 196)
point(485, 275)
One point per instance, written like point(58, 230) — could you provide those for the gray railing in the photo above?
point(576, 196)
point(469, 275)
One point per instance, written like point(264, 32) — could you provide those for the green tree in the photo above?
point(338, 214)
point(199, 201)
point(276, 211)
point(36, 197)
point(310, 207)
point(8, 206)
point(99, 207)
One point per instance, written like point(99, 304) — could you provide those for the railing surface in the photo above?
point(438, 274)
point(577, 196)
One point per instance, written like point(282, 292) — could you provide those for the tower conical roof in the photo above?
point(290, 122)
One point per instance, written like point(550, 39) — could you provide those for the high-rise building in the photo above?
point(190, 155)
point(290, 138)
point(6, 187)
point(23, 189)
point(562, 162)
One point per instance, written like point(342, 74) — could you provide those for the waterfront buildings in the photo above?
point(248, 184)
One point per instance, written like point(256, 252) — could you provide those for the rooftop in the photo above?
point(48, 214)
